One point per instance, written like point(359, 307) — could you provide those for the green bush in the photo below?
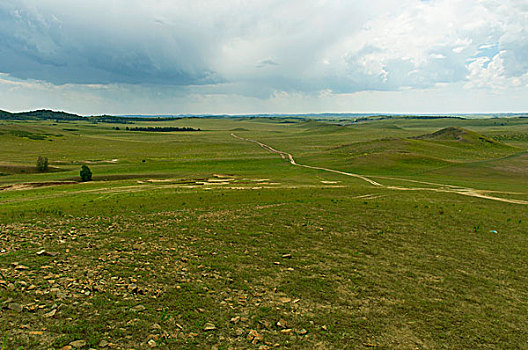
point(42, 164)
point(86, 174)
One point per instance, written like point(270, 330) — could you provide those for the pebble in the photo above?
point(302, 332)
point(209, 327)
point(132, 287)
point(78, 343)
point(50, 314)
point(15, 307)
point(282, 323)
point(45, 253)
point(138, 308)
point(254, 337)
point(265, 323)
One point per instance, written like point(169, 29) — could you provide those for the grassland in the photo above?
point(203, 240)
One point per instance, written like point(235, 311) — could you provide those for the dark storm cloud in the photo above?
point(69, 46)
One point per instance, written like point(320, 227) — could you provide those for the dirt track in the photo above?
point(465, 191)
point(31, 185)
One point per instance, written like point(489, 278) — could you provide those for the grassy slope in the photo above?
point(369, 266)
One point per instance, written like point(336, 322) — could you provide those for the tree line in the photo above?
point(158, 128)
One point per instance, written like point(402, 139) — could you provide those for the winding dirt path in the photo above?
point(465, 191)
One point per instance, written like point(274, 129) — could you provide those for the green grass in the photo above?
point(196, 234)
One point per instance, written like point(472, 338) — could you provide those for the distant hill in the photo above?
point(319, 126)
point(41, 114)
point(458, 134)
point(418, 154)
point(4, 114)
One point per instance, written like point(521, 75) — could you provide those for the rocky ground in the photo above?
point(142, 282)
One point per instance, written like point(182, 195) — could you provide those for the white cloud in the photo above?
point(492, 73)
point(430, 42)
point(262, 50)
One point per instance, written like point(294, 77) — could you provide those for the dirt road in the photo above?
point(465, 191)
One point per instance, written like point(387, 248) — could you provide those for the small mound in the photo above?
point(458, 134)
point(318, 126)
point(450, 133)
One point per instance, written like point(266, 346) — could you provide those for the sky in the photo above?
point(268, 56)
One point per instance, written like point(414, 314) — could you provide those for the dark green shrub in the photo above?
point(86, 173)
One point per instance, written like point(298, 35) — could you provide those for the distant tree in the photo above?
point(42, 164)
point(86, 174)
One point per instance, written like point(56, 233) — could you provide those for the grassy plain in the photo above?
point(202, 240)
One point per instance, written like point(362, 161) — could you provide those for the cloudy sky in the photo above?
point(266, 56)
